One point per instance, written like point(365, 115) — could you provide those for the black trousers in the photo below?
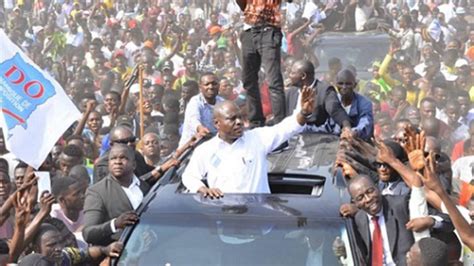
point(261, 45)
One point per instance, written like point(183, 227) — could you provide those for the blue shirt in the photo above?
point(360, 114)
point(198, 112)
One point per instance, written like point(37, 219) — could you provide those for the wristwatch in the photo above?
point(160, 171)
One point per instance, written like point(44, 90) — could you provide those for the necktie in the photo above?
point(377, 244)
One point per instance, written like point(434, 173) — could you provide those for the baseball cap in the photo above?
point(167, 65)
point(124, 120)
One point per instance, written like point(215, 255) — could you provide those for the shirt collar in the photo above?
point(201, 98)
point(221, 142)
point(379, 214)
point(135, 182)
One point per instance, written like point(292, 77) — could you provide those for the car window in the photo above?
point(233, 240)
point(359, 54)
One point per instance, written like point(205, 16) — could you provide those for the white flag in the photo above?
point(35, 110)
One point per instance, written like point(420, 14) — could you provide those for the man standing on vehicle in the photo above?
point(235, 161)
point(261, 43)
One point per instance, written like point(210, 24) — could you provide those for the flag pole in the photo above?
point(142, 115)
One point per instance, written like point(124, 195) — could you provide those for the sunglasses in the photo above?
point(380, 165)
point(129, 140)
point(437, 156)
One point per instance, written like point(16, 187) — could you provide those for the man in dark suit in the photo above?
point(120, 135)
point(327, 104)
point(380, 224)
point(109, 205)
point(389, 180)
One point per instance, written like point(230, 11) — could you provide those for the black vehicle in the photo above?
point(359, 49)
point(295, 225)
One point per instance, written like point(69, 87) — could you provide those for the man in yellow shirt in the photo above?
point(190, 73)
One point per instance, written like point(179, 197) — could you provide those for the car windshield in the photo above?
point(183, 239)
point(358, 54)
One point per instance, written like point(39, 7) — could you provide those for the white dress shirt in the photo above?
point(240, 167)
point(387, 254)
point(418, 207)
point(134, 195)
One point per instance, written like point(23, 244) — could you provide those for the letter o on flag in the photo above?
point(28, 89)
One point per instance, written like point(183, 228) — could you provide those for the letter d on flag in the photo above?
point(35, 110)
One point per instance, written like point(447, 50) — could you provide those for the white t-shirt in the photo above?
point(463, 168)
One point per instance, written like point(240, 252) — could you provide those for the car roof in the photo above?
point(344, 37)
point(311, 154)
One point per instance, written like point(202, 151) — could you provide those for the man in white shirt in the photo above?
point(235, 161)
point(74, 37)
point(110, 204)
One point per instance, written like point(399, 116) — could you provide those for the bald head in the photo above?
point(360, 180)
point(346, 74)
point(304, 66)
point(120, 133)
point(301, 73)
point(224, 107)
point(430, 126)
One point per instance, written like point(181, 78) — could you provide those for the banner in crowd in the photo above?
point(35, 110)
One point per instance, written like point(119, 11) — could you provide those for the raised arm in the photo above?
point(22, 214)
point(46, 203)
point(301, 28)
point(90, 105)
point(432, 182)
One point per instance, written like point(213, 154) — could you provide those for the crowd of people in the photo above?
point(244, 72)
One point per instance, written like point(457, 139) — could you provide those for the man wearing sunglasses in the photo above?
point(390, 182)
point(121, 135)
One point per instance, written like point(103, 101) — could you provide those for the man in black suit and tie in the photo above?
point(109, 205)
point(327, 104)
point(380, 224)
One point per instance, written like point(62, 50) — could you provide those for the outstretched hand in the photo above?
point(384, 154)
point(417, 155)
point(22, 210)
point(430, 179)
point(202, 131)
